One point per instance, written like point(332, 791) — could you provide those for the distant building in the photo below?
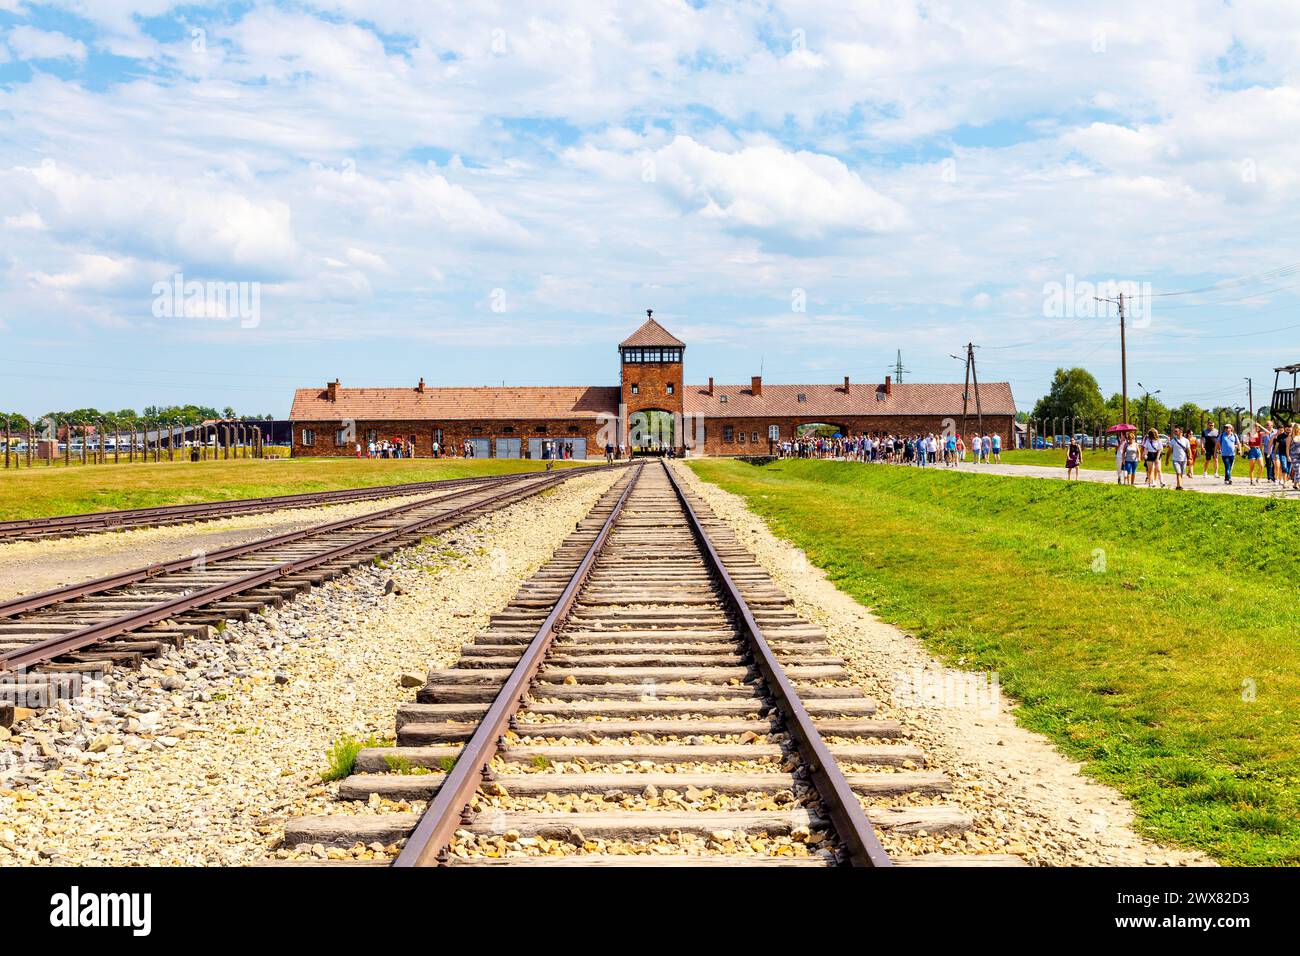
point(651, 408)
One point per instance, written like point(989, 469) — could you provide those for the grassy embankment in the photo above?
point(57, 489)
point(1151, 636)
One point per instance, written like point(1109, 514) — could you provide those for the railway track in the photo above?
point(648, 697)
point(50, 641)
point(62, 526)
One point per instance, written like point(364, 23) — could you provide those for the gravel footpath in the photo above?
point(1208, 484)
point(1027, 798)
point(200, 756)
point(29, 567)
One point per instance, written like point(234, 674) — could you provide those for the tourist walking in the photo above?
point(1131, 451)
point(1228, 451)
point(1072, 458)
point(1210, 439)
point(1180, 451)
point(1151, 451)
point(1293, 448)
point(1254, 455)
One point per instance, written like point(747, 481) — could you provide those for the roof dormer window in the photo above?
point(722, 399)
point(802, 397)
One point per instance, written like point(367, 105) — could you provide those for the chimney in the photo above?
point(888, 388)
point(420, 388)
point(332, 389)
point(710, 384)
point(756, 384)
point(846, 385)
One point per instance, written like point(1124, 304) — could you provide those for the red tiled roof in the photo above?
point(651, 333)
point(919, 398)
point(455, 404)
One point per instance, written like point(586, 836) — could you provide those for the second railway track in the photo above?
point(63, 526)
point(649, 697)
point(50, 641)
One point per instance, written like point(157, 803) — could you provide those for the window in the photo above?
point(341, 436)
point(773, 432)
point(437, 435)
point(476, 430)
point(741, 437)
point(801, 397)
point(371, 436)
point(309, 436)
point(636, 389)
point(508, 430)
point(670, 388)
point(728, 433)
point(647, 356)
point(540, 429)
point(573, 429)
point(722, 399)
point(754, 437)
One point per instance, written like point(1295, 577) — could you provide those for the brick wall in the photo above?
point(454, 433)
point(652, 381)
point(715, 431)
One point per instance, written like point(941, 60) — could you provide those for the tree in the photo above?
point(1074, 394)
point(1188, 417)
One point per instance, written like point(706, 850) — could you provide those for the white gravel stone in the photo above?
point(149, 772)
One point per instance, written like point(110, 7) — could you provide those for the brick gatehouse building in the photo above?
point(650, 407)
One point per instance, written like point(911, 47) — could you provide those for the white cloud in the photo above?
point(28, 43)
point(774, 192)
point(196, 224)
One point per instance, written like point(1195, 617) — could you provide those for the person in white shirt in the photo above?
point(977, 448)
point(1180, 450)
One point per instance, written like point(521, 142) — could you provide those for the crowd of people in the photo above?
point(917, 449)
point(1271, 452)
point(388, 448)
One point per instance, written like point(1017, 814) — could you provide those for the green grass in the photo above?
point(342, 756)
point(41, 492)
point(1152, 637)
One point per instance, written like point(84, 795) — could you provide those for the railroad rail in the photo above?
point(648, 697)
point(62, 526)
point(49, 641)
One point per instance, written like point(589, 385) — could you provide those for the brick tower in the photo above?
point(651, 380)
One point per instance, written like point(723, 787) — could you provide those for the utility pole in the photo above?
point(971, 377)
point(1123, 353)
point(1250, 397)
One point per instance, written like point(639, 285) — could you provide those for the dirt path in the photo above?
point(1210, 485)
point(1013, 780)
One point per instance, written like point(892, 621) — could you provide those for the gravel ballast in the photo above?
point(199, 757)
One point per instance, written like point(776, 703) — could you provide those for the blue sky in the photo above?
point(489, 192)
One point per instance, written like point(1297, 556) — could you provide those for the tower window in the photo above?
point(670, 388)
point(636, 389)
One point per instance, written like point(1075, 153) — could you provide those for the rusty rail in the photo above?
point(34, 602)
point(44, 651)
point(851, 823)
point(100, 521)
point(439, 821)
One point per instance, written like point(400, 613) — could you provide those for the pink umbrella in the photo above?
point(1121, 428)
